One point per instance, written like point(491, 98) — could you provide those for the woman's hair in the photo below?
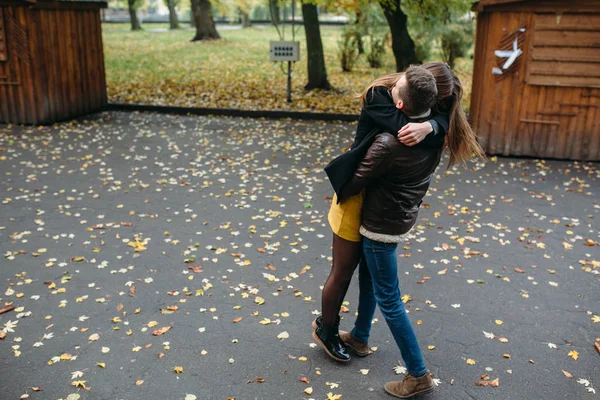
point(388, 81)
point(461, 138)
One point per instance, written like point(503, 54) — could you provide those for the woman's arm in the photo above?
point(413, 133)
point(372, 166)
point(381, 108)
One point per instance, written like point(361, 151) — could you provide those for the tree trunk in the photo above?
point(192, 14)
point(205, 24)
point(246, 23)
point(135, 22)
point(275, 17)
point(358, 32)
point(317, 74)
point(402, 44)
point(173, 22)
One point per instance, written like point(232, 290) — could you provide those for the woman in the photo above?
point(379, 112)
point(391, 204)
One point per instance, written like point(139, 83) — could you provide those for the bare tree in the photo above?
point(317, 73)
point(205, 24)
point(135, 22)
point(173, 21)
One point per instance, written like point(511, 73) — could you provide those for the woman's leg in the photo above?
point(383, 266)
point(346, 256)
point(366, 304)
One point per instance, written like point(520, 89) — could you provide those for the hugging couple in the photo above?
point(407, 119)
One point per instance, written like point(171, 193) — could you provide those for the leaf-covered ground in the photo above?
point(162, 67)
point(162, 257)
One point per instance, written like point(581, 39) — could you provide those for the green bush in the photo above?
point(348, 50)
point(376, 51)
point(424, 42)
point(456, 40)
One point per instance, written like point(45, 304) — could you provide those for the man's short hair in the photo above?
point(419, 94)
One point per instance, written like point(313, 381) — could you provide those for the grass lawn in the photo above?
point(162, 67)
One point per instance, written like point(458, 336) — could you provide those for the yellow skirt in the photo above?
point(344, 218)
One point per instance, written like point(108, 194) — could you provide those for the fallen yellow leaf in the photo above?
point(161, 331)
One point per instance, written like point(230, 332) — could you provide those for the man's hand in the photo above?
point(413, 133)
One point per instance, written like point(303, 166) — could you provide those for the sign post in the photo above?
point(285, 51)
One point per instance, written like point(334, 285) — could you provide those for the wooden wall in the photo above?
point(16, 75)
point(55, 65)
point(550, 105)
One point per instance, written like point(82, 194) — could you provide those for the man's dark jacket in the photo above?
point(379, 114)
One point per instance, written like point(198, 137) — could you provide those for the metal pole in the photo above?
point(289, 89)
point(289, 83)
point(293, 19)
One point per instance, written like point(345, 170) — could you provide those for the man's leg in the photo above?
point(382, 263)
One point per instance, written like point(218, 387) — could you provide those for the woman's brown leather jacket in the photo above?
point(396, 178)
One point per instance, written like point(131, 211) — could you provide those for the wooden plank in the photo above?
point(516, 90)
point(522, 145)
point(33, 103)
point(75, 69)
point(3, 77)
point(3, 46)
point(547, 6)
point(557, 113)
point(18, 91)
point(86, 78)
point(103, 95)
point(495, 2)
point(46, 48)
point(568, 81)
point(559, 68)
point(66, 64)
point(91, 59)
point(40, 68)
point(591, 125)
point(539, 121)
point(579, 54)
point(566, 132)
point(539, 138)
point(11, 96)
point(57, 62)
point(69, 5)
point(572, 22)
point(475, 116)
point(3, 94)
point(575, 139)
point(567, 39)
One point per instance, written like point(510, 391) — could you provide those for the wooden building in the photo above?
point(51, 60)
point(536, 78)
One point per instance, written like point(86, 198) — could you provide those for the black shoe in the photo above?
point(328, 337)
point(317, 322)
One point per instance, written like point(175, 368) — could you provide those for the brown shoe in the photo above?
point(409, 386)
point(358, 348)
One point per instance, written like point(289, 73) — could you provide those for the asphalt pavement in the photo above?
point(150, 256)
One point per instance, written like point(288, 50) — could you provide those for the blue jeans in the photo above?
point(378, 283)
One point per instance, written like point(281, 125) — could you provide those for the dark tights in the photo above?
point(346, 256)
